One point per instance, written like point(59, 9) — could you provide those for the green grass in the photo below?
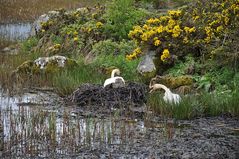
point(206, 104)
point(67, 81)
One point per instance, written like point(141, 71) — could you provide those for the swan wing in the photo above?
point(109, 81)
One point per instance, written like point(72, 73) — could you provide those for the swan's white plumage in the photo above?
point(168, 95)
point(114, 79)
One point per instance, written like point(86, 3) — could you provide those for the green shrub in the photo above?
point(109, 47)
point(120, 17)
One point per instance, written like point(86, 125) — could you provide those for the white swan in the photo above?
point(169, 97)
point(114, 79)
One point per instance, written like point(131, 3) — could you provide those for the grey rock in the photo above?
point(147, 64)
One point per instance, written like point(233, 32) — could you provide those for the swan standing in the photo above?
point(169, 97)
point(114, 79)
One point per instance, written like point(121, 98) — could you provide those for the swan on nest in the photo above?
point(114, 79)
point(169, 97)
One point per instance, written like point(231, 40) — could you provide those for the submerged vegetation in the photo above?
point(199, 40)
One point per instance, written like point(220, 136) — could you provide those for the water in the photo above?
point(34, 126)
point(16, 17)
point(15, 31)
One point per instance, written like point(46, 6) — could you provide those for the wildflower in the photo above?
point(157, 42)
point(176, 31)
point(165, 55)
point(144, 37)
point(76, 39)
point(174, 13)
point(134, 54)
point(153, 21)
point(189, 30)
point(195, 17)
point(219, 28)
point(159, 29)
point(89, 30)
point(185, 40)
point(75, 33)
point(99, 24)
point(57, 46)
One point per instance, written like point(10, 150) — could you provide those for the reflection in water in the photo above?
point(31, 128)
point(14, 32)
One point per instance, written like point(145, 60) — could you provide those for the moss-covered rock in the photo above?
point(174, 82)
point(50, 65)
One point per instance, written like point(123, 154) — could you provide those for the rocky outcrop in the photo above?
point(45, 65)
point(146, 67)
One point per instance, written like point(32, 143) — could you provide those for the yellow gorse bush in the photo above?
point(193, 27)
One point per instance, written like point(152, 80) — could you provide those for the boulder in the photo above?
point(147, 67)
point(45, 65)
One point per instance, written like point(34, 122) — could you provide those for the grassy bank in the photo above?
point(201, 105)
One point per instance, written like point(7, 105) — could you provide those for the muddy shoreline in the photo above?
point(148, 136)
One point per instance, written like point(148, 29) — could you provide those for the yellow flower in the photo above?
point(171, 23)
point(146, 27)
point(75, 33)
point(189, 30)
point(226, 20)
point(89, 30)
point(57, 46)
point(157, 42)
point(134, 54)
point(76, 39)
point(176, 31)
point(164, 18)
point(185, 40)
point(192, 30)
point(165, 55)
point(159, 29)
point(144, 37)
point(152, 21)
point(175, 13)
point(219, 28)
point(195, 17)
point(99, 24)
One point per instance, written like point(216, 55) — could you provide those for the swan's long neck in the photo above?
point(113, 72)
point(164, 87)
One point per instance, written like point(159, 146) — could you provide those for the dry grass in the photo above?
point(28, 10)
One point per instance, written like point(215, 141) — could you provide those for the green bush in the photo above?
point(109, 47)
point(121, 16)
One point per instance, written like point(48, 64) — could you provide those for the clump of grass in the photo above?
point(186, 109)
point(221, 103)
point(67, 81)
point(206, 104)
